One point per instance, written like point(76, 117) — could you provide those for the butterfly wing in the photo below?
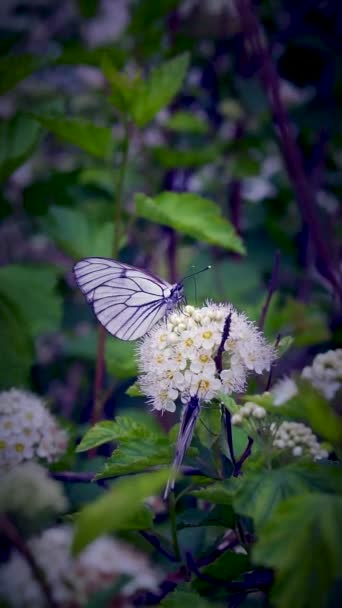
point(127, 301)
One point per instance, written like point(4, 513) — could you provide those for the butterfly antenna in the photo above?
point(188, 276)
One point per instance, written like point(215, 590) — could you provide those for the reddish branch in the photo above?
point(10, 531)
point(257, 48)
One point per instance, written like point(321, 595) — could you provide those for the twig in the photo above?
point(155, 542)
point(272, 286)
point(256, 45)
point(246, 453)
point(14, 537)
point(220, 350)
point(99, 375)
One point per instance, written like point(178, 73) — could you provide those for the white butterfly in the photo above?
point(127, 301)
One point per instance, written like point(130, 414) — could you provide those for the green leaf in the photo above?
point(122, 428)
point(187, 122)
point(227, 567)
point(218, 493)
point(218, 516)
point(208, 429)
point(15, 68)
point(121, 358)
point(16, 353)
point(41, 309)
point(134, 390)
point(159, 89)
point(192, 215)
point(259, 494)
point(118, 507)
point(316, 410)
point(302, 542)
point(18, 139)
point(137, 456)
point(171, 158)
point(77, 234)
point(94, 139)
point(124, 89)
point(185, 596)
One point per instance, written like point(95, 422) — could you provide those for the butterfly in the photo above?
point(126, 300)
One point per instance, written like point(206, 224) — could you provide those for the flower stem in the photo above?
point(117, 222)
point(173, 521)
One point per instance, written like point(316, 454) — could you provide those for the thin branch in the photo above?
point(155, 542)
point(14, 537)
point(305, 196)
point(246, 454)
point(272, 286)
point(220, 350)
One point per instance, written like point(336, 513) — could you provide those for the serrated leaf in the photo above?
point(122, 428)
point(159, 89)
point(302, 542)
point(218, 493)
point(121, 504)
point(137, 456)
point(18, 139)
point(94, 139)
point(15, 68)
point(41, 309)
point(259, 494)
point(187, 122)
point(192, 215)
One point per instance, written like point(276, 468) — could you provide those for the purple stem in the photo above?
point(256, 45)
point(272, 286)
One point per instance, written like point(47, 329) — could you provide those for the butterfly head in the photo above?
point(176, 295)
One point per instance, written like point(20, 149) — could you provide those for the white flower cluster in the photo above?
point(298, 438)
point(177, 358)
point(248, 410)
point(73, 580)
point(283, 390)
point(27, 490)
point(27, 430)
point(325, 372)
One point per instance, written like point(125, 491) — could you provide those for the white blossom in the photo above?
point(298, 438)
point(283, 390)
point(247, 411)
point(177, 358)
point(28, 491)
point(27, 430)
point(73, 580)
point(325, 372)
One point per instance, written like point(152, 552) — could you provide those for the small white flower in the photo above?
point(177, 358)
point(27, 490)
point(73, 580)
point(283, 390)
point(299, 438)
point(325, 372)
point(27, 430)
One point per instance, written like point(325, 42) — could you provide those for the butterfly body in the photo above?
point(126, 300)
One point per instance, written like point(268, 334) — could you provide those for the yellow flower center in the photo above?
point(159, 358)
point(19, 447)
point(162, 338)
point(207, 335)
point(189, 342)
point(204, 358)
point(3, 445)
point(204, 385)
